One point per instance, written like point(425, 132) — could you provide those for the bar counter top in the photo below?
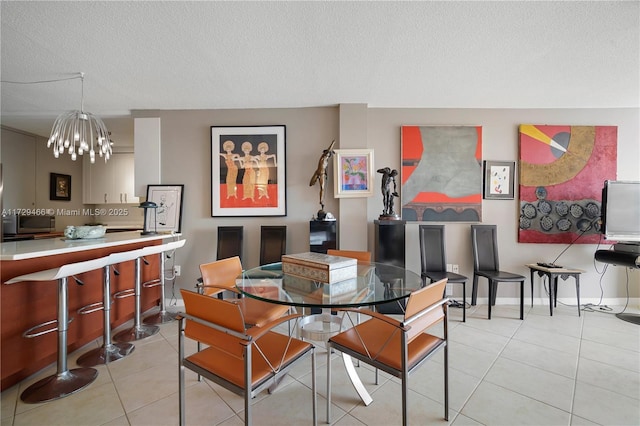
point(30, 249)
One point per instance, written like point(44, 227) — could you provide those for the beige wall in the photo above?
point(186, 159)
point(500, 143)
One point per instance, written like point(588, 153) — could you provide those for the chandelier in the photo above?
point(78, 132)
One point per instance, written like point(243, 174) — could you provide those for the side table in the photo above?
point(553, 274)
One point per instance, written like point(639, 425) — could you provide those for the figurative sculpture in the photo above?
point(388, 178)
point(320, 175)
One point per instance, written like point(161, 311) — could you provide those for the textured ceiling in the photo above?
point(209, 55)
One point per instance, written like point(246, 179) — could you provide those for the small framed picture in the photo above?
point(354, 173)
point(498, 180)
point(59, 187)
point(168, 214)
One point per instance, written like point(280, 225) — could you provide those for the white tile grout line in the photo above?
point(489, 369)
point(575, 379)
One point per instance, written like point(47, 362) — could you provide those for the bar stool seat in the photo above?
point(139, 331)
point(162, 316)
point(64, 382)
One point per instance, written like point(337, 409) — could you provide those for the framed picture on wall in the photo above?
point(248, 171)
point(168, 215)
point(498, 180)
point(59, 187)
point(353, 173)
point(441, 174)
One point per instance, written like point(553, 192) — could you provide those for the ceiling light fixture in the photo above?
point(78, 132)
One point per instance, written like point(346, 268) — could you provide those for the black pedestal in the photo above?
point(323, 235)
point(390, 238)
point(390, 242)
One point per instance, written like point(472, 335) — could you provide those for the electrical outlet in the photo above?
point(455, 269)
point(176, 270)
point(449, 267)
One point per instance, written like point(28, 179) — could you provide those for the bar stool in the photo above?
point(163, 316)
point(65, 381)
point(139, 331)
point(109, 351)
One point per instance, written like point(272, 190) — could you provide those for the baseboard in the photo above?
point(633, 302)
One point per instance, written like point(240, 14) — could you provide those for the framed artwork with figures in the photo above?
point(248, 171)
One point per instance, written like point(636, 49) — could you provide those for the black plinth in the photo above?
point(390, 238)
point(323, 235)
point(390, 241)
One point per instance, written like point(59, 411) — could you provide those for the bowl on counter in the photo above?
point(84, 232)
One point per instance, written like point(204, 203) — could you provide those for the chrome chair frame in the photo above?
point(418, 320)
point(248, 339)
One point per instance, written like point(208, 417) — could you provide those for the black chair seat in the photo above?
point(501, 276)
point(450, 276)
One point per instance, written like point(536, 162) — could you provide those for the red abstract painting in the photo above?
point(441, 173)
point(562, 172)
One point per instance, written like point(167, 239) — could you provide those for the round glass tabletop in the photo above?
point(374, 284)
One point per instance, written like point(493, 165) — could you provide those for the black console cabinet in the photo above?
point(323, 235)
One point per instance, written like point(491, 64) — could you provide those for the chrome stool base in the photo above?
point(161, 317)
point(136, 333)
point(59, 385)
point(105, 354)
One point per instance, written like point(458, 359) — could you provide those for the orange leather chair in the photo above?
point(362, 256)
point(220, 275)
point(397, 347)
point(244, 361)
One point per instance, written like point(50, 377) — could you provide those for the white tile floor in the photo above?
point(560, 370)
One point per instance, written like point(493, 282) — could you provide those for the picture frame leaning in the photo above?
point(167, 217)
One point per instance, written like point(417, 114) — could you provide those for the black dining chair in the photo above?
point(273, 243)
point(434, 262)
point(229, 242)
point(484, 241)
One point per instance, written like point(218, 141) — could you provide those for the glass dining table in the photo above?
point(378, 285)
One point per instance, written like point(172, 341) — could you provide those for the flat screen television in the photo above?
point(621, 211)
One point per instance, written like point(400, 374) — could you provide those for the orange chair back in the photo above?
point(362, 256)
point(216, 311)
point(220, 273)
point(420, 300)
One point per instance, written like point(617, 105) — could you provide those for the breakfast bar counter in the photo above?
point(28, 303)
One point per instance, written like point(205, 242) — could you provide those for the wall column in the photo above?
point(147, 154)
point(353, 230)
